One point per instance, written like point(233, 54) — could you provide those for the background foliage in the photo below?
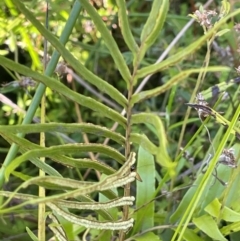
point(111, 55)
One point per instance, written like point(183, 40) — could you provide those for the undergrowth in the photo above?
point(111, 140)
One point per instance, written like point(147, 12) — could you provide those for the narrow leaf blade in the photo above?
point(145, 190)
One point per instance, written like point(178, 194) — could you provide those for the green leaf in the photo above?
point(230, 228)
point(214, 208)
point(62, 229)
point(225, 8)
point(62, 89)
point(31, 49)
point(120, 178)
point(119, 225)
point(154, 24)
point(182, 207)
point(175, 58)
point(103, 213)
point(68, 149)
point(227, 214)
point(162, 155)
point(190, 235)
point(231, 196)
point(209, 226)
point(81, 200)
point(145, 191)
point(64, 160)
point(83, 163)
point(222, 32)
point(217, 189)
point(27, 145)
point(142, 140)
point(207, 196)
point(64, 128)
point(21, 175)
point(125, 28)
point(147, 237)
point(60, 183)
point(109, 41)
point(31, 234)
point(230, 215)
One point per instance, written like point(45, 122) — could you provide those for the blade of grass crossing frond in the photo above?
point(41, 190)
point(31, 234)
point(145, 191)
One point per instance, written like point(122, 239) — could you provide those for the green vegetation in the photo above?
point(102, 136)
